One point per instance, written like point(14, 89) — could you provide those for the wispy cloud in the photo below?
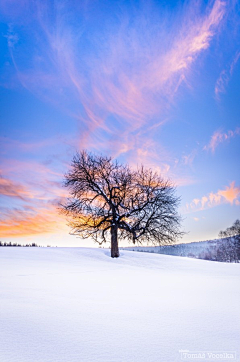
point(34, 197)
point(35, 181)
point(189, 158)
point(13, 189)
point(18, 223)
point(33, 206)
point(124, 80)
point(220, 137)
point(225, 76)
point(231, 195)
point(134, 79)
point(12, 37)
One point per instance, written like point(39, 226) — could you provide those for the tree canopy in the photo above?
point(111, 199)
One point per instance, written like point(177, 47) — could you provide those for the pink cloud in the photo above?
point(225, 76)
point(9, 144)
point(132, 78)
point(36, 182)
point(13, 189)
point(230, 193)
point(204, 200)
point(196, 201)
point(219, 137)
point(188, 159)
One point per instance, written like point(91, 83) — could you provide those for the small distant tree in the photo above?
point(110, 199)
point(229, 248)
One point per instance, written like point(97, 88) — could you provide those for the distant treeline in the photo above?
point(15, 244)
point(224, 250)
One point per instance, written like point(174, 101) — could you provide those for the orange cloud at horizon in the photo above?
point(230, 195)
point(30, 209)
point(22, 223)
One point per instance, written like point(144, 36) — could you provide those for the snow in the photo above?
point(78, 304)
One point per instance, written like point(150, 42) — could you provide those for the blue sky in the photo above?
point(152, 82)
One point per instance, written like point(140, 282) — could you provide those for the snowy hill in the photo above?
point(79, 305)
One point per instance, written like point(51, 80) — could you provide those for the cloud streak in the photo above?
point(12, 189)
point(219, 137)
point(19, 223)
point(33, 203)
point(230, 195)
point(225, 76)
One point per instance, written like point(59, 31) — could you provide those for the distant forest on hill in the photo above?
point(16, 244)
point(224, 250)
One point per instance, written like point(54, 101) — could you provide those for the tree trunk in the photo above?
point(114, 242)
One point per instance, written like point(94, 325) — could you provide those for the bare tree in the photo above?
point(110, 199)
point(229, 248)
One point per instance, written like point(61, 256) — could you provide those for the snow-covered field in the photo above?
point(78, 304)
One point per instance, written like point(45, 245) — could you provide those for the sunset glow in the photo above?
point(146, 82)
